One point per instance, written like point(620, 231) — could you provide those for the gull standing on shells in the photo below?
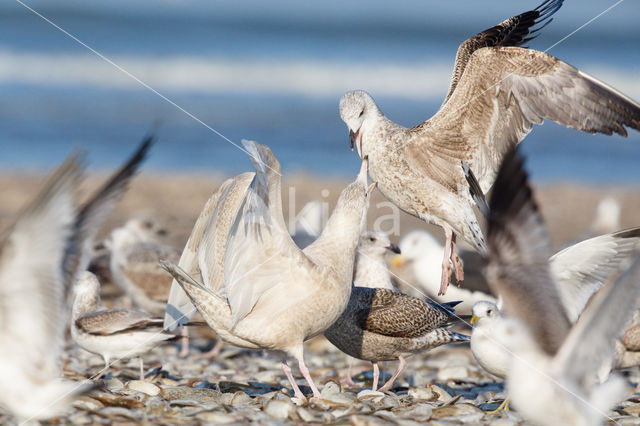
point(552, 364)
point(113, 334)
point(275, 296)
point(384, 325)
point(497, 92)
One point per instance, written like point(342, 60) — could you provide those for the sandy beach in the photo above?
point(175, 201)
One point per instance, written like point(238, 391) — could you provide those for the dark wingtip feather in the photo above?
point(474, 189)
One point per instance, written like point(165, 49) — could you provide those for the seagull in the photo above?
point(41, 255)
point(497, 92)
point(384, 325)
point(552, 362)
point(134, 264)
point(32, 302)
point(370, 266)
point(113, 334)
point(273, 295)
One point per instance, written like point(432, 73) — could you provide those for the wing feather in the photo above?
point(582, 269)
point(519, 247)
point(260, 254)
point(514, 31)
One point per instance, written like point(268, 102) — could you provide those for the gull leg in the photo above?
point(457, 263)
point(347, 380)
point(376, 375)
point(504, 406)
point(287, 372)
point(446, 267)
point(184, 349)
point(215, 351)
point(387, 386)
point(305, 371)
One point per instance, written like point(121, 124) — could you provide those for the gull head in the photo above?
point(415, 246)
point(358, 110)
point(482, 310)
point(87, 286)
point(376, 244)
point(134, 231)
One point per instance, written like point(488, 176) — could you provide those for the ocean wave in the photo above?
point(222, 75)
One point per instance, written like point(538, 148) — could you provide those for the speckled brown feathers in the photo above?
point(395, 314)
point(382, 325)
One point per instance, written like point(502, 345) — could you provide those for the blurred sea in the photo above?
point(274, 72)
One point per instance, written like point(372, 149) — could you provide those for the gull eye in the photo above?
point(372, 239)
point(361, 113)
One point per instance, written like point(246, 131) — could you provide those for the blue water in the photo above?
point(289, 63)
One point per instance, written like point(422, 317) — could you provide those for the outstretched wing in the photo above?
point(583, 268)
point(32, 308)
point(94, 213)
point(260, 253)
point(502, 92)
point(591, 341)
point(519, 249)
point(514, 31)
point(204, 252)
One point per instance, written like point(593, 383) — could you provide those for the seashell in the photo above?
point(459, 372)
point(144, 387)
point(113, 384)
point(370, 395)
point(457, 410)
point(216, 417)
point(423, 394)
point(116, 401)
point(305, 415)
point(279, 409)
point(189, 393)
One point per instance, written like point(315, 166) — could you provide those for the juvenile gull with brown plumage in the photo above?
point(497, 92)
point(384, 325)
point(275, 296)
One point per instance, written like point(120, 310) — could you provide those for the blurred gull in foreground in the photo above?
point(552, 364)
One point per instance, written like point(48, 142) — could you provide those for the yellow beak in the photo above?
point(474, 319)
point(398, 261)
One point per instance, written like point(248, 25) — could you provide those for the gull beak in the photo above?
point(371, 188)
point(398, 260)
point(394, 248)
point(362, 174)
point(474, 319)
point(354, 139)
